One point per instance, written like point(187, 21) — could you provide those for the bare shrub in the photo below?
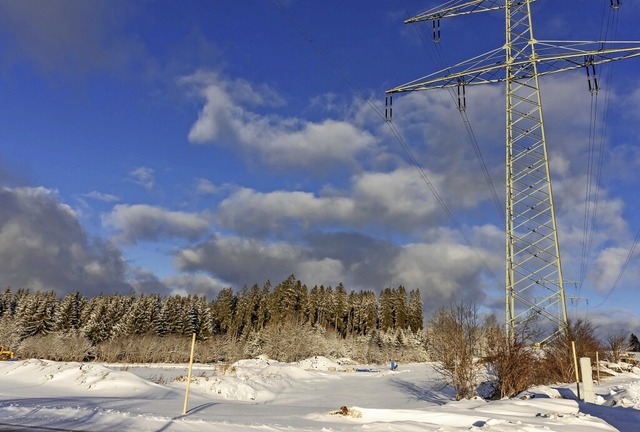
point(455, 340)
point(59, 346)
point(616, 346)
point(289, 342)
point(514, 366)
point(558, 364)
point(145, 349)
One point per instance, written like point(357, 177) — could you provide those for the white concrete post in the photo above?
point(587, 380)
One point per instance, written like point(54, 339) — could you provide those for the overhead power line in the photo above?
point(392, 127)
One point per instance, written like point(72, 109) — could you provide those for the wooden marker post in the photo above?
point(575, 365)
point(186, 395)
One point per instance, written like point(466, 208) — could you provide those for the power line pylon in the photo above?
point(533, 281)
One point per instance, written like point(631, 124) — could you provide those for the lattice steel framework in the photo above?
point(534, 283)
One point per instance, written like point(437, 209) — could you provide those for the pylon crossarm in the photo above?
point(465, 72)
point(551, 58)
point(560, 56)
point(458, 8)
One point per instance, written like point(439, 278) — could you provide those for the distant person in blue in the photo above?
point(394, 366)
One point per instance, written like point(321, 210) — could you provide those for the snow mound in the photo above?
point(259, 379)
point(539, 392)
point(625, 395)
point(72, 375)
point(230, 388)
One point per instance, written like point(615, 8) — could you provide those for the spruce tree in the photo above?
point(242, 313)
point(634, 343)
point(340, 309)
point(400, 308)
point(263, 306)
point(386, 309)
point(223, 309)
point(370, 312)
point(69, 312)
point(97, 327)
point(415, 311)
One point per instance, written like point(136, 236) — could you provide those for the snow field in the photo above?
point(317, 394)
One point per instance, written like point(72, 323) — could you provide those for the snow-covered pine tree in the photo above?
point(223, 309)
point(68, 313)
point(339, 309)
point(386, 309)
point(97, 327)
point(163, 320)
point(263, 306)
point(415, 311)
point(36, 316)
point(242, 313)
point(400, 308)
point(206, 319)
point(370, 308)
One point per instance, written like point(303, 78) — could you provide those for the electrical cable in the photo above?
point(398, 136)
point(622, 269)
point(609, 27)
point(467, 123)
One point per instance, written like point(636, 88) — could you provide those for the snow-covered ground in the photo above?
point(317, 394)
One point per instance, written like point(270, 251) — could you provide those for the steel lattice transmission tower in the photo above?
point(534, 283)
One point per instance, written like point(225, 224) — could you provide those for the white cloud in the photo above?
point(43, 247)
point(608, 265)
point(442, 270)
point(73, 36)
point(143, 222)
point(398, 199)
point(277, 142)
point(194, 284)
point(249, 211)
point(205, 187)
point(100, 196)
point(144, 176)
point(240, 260)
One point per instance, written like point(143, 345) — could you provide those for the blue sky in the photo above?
point(182, 147)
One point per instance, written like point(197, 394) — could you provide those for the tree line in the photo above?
point(234, 315)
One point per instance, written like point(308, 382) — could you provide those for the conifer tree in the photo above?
point(97, 327)
point(313, 305)
point(161, 321)
point(263, 306)
point(206, 319)
point(242, 313)
point(370, 312)
point(192, 322)
point(8, 303)
point(325, 296)
point(386, 309)
point(353, 313)
point(69, 312)
point(400, 308)
point(634, 343)
point(36, 316)
point(224, 309)
point(339, 309)
point(415, 311)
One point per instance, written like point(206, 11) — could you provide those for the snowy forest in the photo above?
point(287, 322)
